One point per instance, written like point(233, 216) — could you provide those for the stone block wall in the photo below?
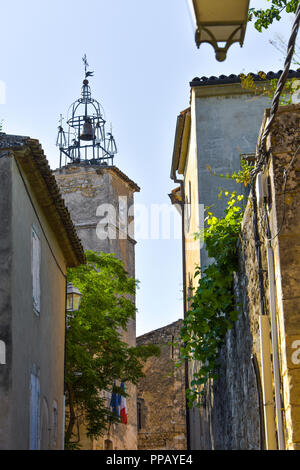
point(161, 394)
point(234, 400)
point(284, 172)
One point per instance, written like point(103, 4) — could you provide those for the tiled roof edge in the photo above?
point(159, 329)
point(226, 79)
point(122, 175)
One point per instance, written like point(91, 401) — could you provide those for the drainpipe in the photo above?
point(264, 327)
point(64, 394)
point(271, 274)
point(267, 383)
point(274, 334)
point(270, 427)
point(261, 405)
point(186, 365)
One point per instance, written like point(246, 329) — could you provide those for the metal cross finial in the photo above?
point(86, 65)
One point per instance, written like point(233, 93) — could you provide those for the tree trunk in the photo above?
point(72, 415)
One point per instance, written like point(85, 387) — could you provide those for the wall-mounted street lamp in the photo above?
point(219, 21)
point(73, 302)
point(73, 298)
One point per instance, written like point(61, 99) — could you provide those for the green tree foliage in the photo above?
point(96, 355)
point(264, 18)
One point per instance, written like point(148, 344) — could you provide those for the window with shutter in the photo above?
point(35, 266)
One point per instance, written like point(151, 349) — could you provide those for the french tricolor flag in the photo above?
point(123, 409)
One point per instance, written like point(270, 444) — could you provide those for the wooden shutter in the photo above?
point(2, 353)
point(34, 412)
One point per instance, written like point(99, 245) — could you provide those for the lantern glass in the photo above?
point(219, 21)
point(73, 298)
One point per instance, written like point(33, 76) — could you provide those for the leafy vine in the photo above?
point(291, 86)
point(213, 310)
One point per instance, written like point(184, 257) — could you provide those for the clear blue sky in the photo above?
point(144, 56)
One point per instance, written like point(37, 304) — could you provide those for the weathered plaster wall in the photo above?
point(5, 299)
point(161, 393)
point(37, 340)
point(30, 340)
point(227, 124)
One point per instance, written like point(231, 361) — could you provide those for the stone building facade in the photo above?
point(101, 203)
point(254, 404)
point(221, 123)
point(161, 393)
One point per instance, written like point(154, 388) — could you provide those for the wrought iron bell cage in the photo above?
point(86, 140)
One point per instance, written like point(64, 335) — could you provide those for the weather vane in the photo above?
point(86, 65)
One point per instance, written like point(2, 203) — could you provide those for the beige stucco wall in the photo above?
point(193, 215)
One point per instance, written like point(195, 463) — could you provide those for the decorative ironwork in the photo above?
point(86, 139)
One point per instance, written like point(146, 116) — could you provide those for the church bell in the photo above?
point(87, 131)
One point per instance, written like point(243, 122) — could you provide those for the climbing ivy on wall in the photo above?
point(213, 310)
point(291, 86)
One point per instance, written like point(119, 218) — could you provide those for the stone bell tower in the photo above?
point(100, 199)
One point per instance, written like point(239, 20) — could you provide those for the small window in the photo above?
point(172, 347)
point(140, 414)
point(35, 269)
point(108, 445)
